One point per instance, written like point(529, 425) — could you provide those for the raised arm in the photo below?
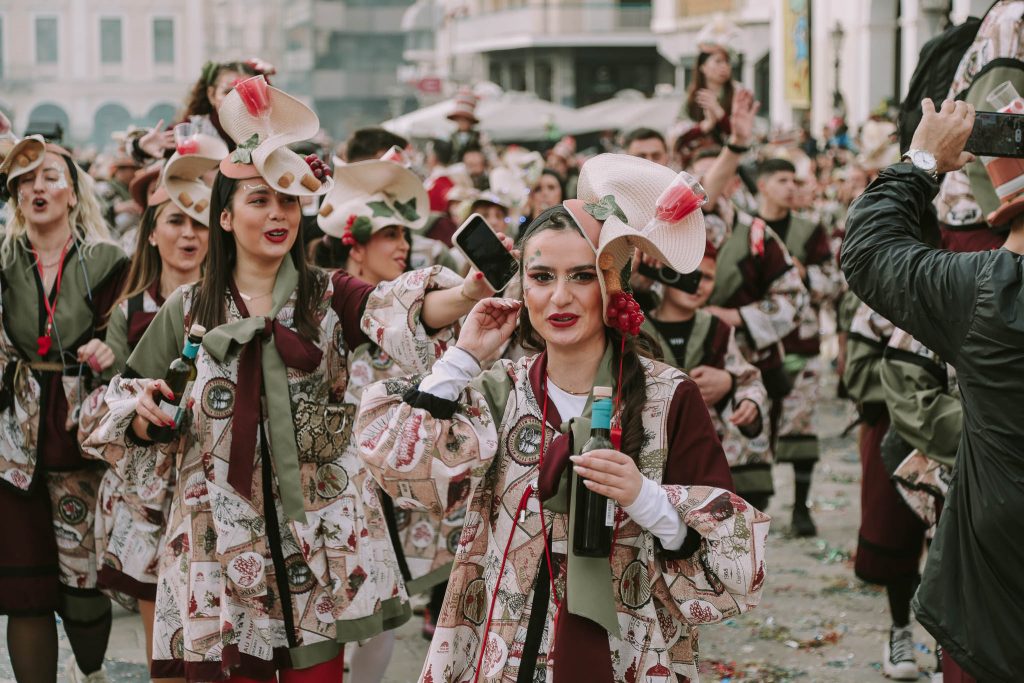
point(927, 292)
point(744, 109)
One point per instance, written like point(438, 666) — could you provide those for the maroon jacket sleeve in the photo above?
point(349, 302)
point(695, 455)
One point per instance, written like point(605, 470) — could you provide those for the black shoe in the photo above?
point(803, 525)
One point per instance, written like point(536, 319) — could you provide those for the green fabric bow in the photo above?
point(283, 449)
point(589, 579)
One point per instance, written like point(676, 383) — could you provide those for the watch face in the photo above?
point(923, 160)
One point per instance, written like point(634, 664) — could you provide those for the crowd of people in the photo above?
point(367, 423)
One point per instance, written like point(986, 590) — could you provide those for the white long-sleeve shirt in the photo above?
point(651, 509)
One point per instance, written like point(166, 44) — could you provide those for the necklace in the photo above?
point(571, 393)
point(247, 297)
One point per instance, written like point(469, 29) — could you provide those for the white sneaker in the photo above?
point(898, 661)
point(72, 674)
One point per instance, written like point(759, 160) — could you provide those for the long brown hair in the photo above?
point(633, 392)
point(210, 306)
point(146, 265)
point(198, 100)
point(699, 82)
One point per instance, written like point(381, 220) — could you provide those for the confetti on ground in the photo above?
point(748, 672)
point(845, 586)
point(830, 554)
point(831, 504)
point(809, 636)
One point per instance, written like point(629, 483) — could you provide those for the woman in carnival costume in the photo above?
point(276, 550)
point(61, 274)
point(685, 549)
point(135, 495)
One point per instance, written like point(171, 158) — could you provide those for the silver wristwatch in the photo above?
point(924, 161)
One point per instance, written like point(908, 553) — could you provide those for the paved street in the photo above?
point(815, 623)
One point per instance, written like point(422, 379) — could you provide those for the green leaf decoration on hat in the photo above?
point(243, 153)
point(362, 229)
point(605, 208)
point(380, 209)
point(407, 210)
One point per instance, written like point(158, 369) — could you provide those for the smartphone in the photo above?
point(687, 282)
point(997, 135)
point(477, 241)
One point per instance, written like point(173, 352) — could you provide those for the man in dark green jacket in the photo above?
point(969, 308)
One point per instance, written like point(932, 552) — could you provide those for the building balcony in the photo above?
point(568, 24)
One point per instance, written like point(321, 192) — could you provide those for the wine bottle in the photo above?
point(595, 514)
point(179, 378)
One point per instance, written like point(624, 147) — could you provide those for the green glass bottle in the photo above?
point(595, 514)
point(180, 376)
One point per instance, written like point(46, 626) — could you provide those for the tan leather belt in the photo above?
point(46, 366)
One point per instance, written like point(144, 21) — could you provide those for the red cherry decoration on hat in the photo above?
point(317, 165)
point(624, 314)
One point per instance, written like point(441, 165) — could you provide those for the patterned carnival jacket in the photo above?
point(489, 448)
point(237, 588)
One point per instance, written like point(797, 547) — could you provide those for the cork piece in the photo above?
point(201, 205)
point(185, 199)
point(21, 160)
point(612, 281)
point(32, 153)
point(310, 182)
point(286, 179)
point(326, 210)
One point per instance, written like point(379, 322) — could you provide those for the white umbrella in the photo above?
point(509, 117)
point(428, 122)
point(627, 110)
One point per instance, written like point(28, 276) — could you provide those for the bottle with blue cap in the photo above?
point(595, 514)
point(181, 374)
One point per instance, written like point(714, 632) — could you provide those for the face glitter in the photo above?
point(61, 181)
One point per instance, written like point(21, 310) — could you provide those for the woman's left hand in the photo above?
point(475, 285)
point(97, 354)
point(610, 473)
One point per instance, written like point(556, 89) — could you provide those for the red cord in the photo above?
point(508, 546)
point(494, 596)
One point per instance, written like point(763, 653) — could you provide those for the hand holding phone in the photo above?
point(997, 135)
point(485, 251)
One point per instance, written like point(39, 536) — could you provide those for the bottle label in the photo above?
point(609, 513)
point(176, 411)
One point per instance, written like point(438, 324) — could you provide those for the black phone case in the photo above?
point(997, 135)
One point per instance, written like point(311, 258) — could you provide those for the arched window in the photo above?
point(49, 119)
point(110, 118)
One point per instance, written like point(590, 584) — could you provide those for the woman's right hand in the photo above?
point(157, 141)
point(488, 327)
point(147, 410)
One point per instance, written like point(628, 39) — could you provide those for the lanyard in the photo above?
point(44, 341)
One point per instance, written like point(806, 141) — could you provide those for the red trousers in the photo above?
point(328, 672)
